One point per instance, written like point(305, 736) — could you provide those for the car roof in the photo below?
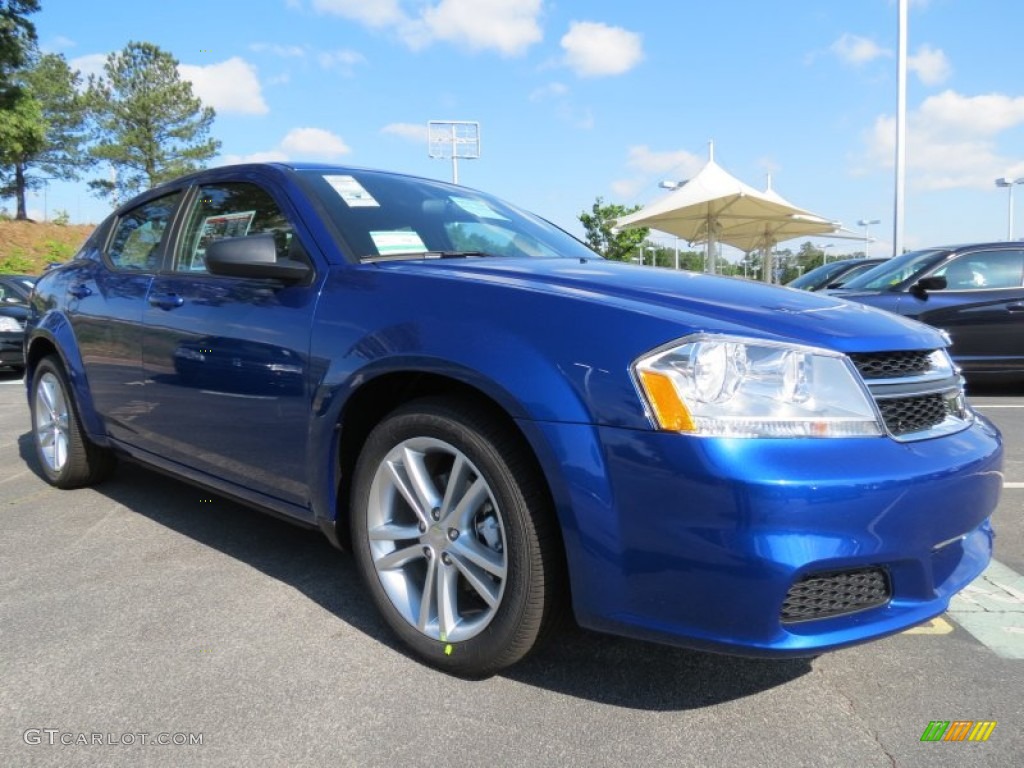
point(281, 168)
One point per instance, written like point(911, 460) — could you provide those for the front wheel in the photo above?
point(454, 536)
point(67, 457)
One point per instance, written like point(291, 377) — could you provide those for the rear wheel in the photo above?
point(67, 457)
point(453, 534)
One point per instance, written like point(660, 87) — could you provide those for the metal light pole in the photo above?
point(866, 223)
point(1007, 182)
point(824, 252)
point(901, 130)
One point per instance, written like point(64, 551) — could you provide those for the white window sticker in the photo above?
point(352, 192)
point(403, 241)
point(478, 208)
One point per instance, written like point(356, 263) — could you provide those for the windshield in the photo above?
point(893, 273)
point(383, 216)
point(819, 276)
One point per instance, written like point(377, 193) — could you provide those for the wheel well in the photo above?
point(379, 397)
point(40, 348)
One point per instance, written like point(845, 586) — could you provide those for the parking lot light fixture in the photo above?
point(1009, 183)
point(867, 223)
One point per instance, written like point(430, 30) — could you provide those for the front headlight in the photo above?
point(735, 387)
point(8, 324)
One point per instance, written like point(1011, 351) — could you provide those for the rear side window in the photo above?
point(139, 234)
point(231, 209)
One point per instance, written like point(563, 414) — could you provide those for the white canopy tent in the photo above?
point(716, 207)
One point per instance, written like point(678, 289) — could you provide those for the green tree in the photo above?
point(22, 135)
point(46, 131)
point(151, 127)
point(619, 245)
point(17, 41)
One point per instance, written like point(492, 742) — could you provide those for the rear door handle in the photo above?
point(166, 300)
point(79, 291)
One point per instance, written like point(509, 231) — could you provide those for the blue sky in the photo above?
point(580, 99)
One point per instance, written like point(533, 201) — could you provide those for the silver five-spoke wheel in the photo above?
point(453, 531)
point(51, 421)
point(437, 539)
point(67, 457)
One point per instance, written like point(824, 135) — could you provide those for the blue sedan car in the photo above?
point(503, 426)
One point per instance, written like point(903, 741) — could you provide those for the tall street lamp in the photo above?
point(866, 223)
point(824, 252)
point(1007, 182)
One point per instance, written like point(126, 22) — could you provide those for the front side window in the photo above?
point(136, 243)
point(231, 209)
point(984, 269)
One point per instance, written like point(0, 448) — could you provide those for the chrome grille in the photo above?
point(918, 394)
point(892, 365)
point(820, 595)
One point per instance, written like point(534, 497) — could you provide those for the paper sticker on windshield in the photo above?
point(352, 192)
point(478, 208)
point(404, 241)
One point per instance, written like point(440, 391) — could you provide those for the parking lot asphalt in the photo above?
point(145, 610)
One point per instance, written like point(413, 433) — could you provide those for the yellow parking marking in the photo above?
point(937, 626)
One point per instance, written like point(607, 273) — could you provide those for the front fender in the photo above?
point(54, 329)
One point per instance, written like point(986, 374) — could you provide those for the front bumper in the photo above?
point(12, 351)
point(697, 542)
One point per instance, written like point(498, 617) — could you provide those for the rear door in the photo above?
point(105, 300)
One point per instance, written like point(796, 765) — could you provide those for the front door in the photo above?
point(227, 359)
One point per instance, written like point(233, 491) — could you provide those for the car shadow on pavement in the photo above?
point(573, 661)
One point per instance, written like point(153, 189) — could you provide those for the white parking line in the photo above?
point(1013, 485)
point(973, 405)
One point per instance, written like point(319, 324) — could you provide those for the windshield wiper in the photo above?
point(426, 255)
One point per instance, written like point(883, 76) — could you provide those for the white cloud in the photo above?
point(679, 162)
point(593, 49)
point(931, 65)
point(315, 142)
point(856, 50)
point(987, 114)
point(269, 156)
point(549, 91)
point(230, 86)
point(506, 26)
point(415, 132)
point(91, 64)
point(952, 140)
point(649, 167)
point(342, 60)
point(372, 13)
point(284, 51)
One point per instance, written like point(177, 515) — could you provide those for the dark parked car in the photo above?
point(833, 274)
point(973, 292)
point(502, 425)
point(14, 293)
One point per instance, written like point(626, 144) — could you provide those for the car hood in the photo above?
point(695, 301)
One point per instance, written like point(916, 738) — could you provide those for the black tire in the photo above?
point(80, 462)
point(513, 523)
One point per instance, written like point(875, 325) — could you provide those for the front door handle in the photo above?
point(166, 300)
point(79, 290)
point(1015, 307)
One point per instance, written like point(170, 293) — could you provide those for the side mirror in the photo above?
point(925, 284)
point(254, 256)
